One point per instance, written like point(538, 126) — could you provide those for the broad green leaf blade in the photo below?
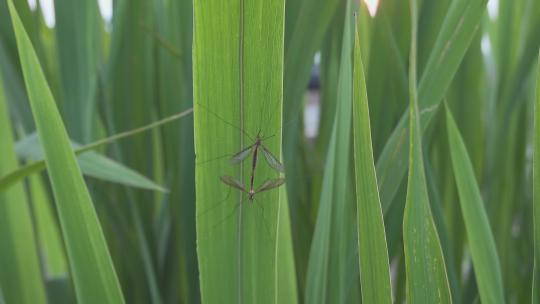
point(457, 31)
point(536, 191)
point(91, 266)
point(235, 93)
point(20, 274)
point(486, 264)
point(373, 252)
point(427, 281)
point(328, 269)
point(91, 164)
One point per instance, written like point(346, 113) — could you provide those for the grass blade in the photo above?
point(91, 266)
point(92, 164)
point(304, 38)
point(536, 191)
point(20, 275)
point(10, 178)
point(427, 281)
point(287, 290)
point(373, 252)
point(55, 263)
point(77, 35)
point(480, 238)
point(175, 25)
point(456, 33)
point(328, 269)
point(233, 94)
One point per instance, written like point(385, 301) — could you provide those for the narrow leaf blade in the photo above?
point(92, 164)
point(536, 191)
point(91, 265)
point(427, 281)
point(454, 38)
point(20, 275)
point(373, 251)
point(486, 263)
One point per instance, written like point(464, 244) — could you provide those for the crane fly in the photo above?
point(270, 159)
point(256, 145)
point(252, 149)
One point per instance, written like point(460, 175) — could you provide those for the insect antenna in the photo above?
point(225, 121)
point(283, 126)
point(267, 137)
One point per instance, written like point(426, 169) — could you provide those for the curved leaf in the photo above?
point(328, 267)
point(91, 164)
point(486, 264)
point(373, 252)
point(536, 191)
point(427, 281)
point(10, 178)
point(455, 36)
point(90, 263)
point(20, 275)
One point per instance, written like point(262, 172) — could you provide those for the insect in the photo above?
point(249, 191)
point(244, 153)
point(270, 158)
point(267, 185)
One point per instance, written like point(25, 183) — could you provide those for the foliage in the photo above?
point(420, 184)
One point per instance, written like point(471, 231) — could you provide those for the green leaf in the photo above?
point(373, 252)
point(91, 266)
point(20, 274)
point(235, 94)
point(457, 31)
point(175, 92)
point(328, 268)
point(91, 164)
point(77, 35)
point(287, 291)
point(427, 281)
point(486, 264)
point(10, 178)
point(304, 37)
point(536, 191)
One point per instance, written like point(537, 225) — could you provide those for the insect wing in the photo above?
point(240, 156)
point(270, 184)
point(272, 160)
point(231, 181)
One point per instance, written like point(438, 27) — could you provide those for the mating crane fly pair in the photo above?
point(270, 159)
point(243, 154)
